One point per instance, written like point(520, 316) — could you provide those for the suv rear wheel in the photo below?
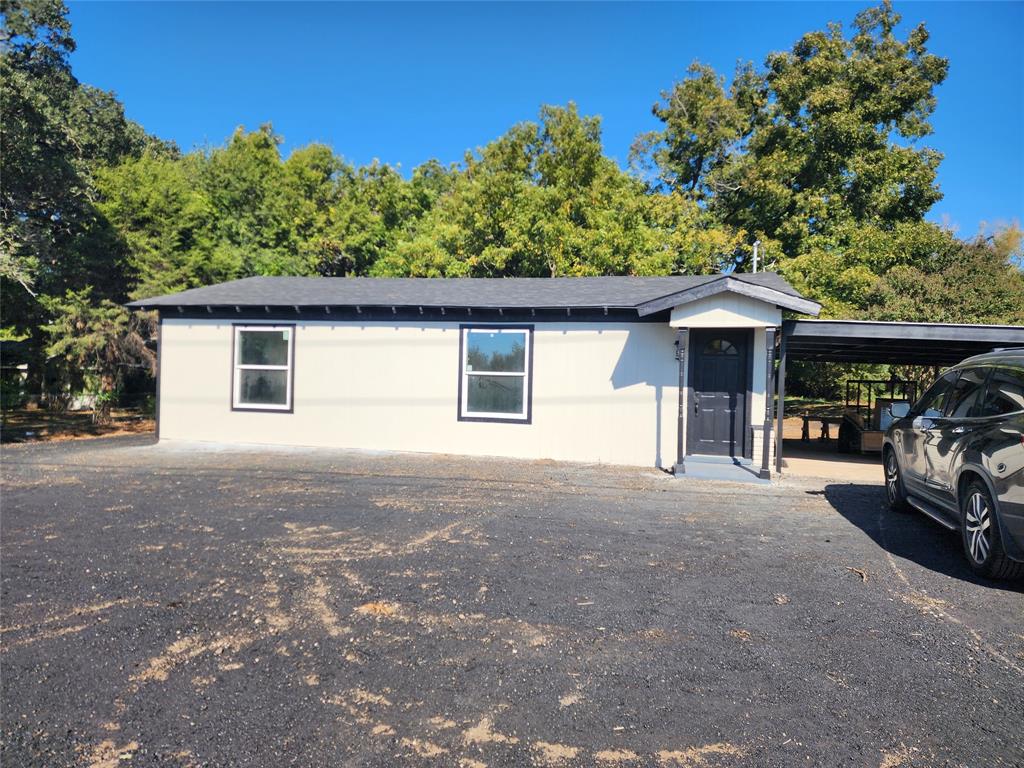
point(894, 490)
point(983, 544)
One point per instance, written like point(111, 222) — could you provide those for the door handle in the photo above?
point(696, 404)
point(958, 430)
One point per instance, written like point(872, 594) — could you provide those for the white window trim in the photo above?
point(237, 367)
point(526, 375)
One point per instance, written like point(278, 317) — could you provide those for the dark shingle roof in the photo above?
point(509, 293)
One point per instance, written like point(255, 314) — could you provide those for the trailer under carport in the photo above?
point(857, 341)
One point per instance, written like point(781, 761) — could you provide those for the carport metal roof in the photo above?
point(865, 341)
point(858, 341)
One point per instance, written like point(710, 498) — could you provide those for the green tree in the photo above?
point(543, 200)
point(56, 136)
point(819, 143)
point(96, 342)
point(244, 183)
point(979, 281)
point(376, 210)
point(40, 195)
point(165, 219)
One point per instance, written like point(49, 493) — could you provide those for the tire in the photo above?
point(979, 531)
point(895, 492)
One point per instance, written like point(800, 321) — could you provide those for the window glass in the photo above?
point(965, 398)
point(262, 371)
point(931, 403)
point(496, 351)
point(263, 347)
point(494, 370)
point(495, 394)
point(719, 347)
point(1005, 392)
point(258, 387)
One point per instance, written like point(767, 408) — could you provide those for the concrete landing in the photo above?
point(722, 468)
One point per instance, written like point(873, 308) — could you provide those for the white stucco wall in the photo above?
point(726, 310)
point(601, 392)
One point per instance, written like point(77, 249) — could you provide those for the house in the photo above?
point(625, 370)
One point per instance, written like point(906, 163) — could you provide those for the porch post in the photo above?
point(782, 405)
point(769, 399)
point(682, 344)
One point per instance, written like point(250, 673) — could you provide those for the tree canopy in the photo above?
point(818, 154)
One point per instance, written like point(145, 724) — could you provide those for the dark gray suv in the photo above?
point(958, 456)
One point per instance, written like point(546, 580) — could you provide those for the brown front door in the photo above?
point(718, 379)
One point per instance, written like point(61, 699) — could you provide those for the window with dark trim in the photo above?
point(495, 373)
point(263, 367)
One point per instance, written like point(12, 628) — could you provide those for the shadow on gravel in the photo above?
point(910, 535)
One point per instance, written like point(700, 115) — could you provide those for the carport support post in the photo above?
point(769, 391)
point(781, 406)
point(682, 342)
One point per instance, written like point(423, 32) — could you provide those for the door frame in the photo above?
point(748, 335)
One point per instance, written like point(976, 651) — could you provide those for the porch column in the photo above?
point(769, 399)
point(682, 344)
point(781, 406)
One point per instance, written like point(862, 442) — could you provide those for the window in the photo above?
point(263, 367)
point(494, 376)
point(965, 397)
point(719, 347)
point(1005, 392)
point(930, 405)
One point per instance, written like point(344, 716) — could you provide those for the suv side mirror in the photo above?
point(899, 410)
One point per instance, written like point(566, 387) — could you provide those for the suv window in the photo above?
point(931, 403)
point(965, 400)
point(1005, 392)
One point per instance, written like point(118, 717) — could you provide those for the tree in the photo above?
point(38, 195)
point(244, 183)
point(543, 200)
point(817, 144)
point(54, 135)
point(165, 219)
point(375, 211)
point(96, 342)
point(979, 281)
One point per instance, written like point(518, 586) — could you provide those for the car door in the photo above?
point(1002, 448)
point(945, 436)
point(914, 431)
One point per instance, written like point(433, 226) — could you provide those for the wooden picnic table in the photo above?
point(826, 420)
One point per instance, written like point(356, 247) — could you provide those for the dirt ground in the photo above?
point(40, 425)
point(187, 605)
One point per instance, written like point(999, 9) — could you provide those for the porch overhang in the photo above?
point(729, 284)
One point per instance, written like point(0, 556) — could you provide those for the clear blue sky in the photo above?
point(408, 82)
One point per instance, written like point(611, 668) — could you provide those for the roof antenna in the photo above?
point(757, 244)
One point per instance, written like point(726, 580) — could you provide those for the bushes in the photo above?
point(13, 393)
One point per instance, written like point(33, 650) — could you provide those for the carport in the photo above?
point(857, 341)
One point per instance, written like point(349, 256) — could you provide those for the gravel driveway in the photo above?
point(186, 606)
